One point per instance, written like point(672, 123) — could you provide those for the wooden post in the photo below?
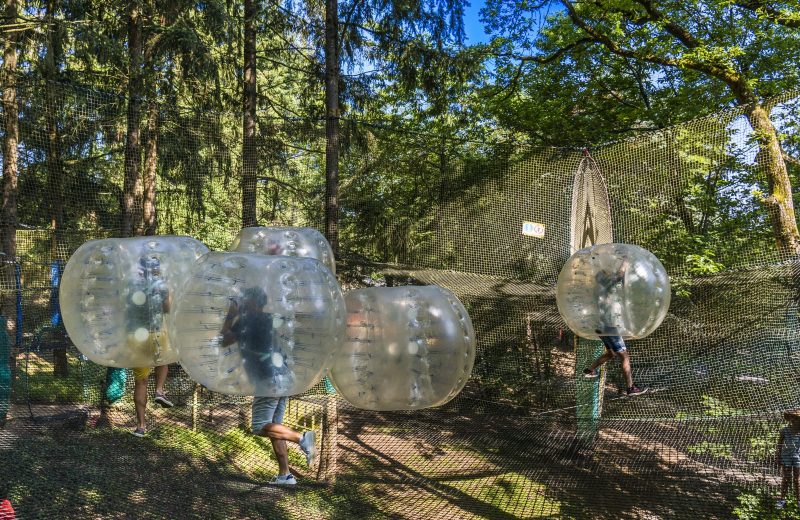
point(326, 471)
point(195, 392)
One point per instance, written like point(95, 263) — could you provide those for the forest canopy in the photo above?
point(358, 117)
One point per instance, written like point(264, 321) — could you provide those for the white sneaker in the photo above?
point(307, 445)
point(780, 503)
point(284, 480)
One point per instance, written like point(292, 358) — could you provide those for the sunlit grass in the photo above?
point(36, 380)
point(511, 493)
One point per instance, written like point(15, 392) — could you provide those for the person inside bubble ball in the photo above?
point(610, 307)
point(251, 326)
point(150, 300)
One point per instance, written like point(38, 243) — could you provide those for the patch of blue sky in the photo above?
point(741, 144)
point(474, 29)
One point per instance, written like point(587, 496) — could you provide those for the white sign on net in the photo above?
point(532, 229)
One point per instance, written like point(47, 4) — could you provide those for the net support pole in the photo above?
point(588, 392)
point(5, 371)
point(195, 405)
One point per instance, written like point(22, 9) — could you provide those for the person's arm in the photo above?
point(778, 448)
point(228, 334)
point(167, 303)
point(622, 268)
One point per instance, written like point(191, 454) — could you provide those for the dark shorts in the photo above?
point(614, 343)
point(789, 461)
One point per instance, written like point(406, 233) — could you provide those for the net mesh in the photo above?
point(415, 209)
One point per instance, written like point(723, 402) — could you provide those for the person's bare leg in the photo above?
point(280, 432)
point(625, 362)
point(282, 454)
point(601, 360)
point(140, 401)
point(161, 378)
point(787, 477)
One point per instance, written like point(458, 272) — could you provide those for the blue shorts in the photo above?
point(267, 410)
point(791, 460)
point(614, 343)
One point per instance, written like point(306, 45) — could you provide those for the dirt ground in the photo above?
point(388, 465)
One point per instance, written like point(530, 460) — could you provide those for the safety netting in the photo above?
point(528, 437)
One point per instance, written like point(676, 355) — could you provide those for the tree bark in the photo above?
point(249, 152)
point(55, 166)
point(150, 165)
point(779, 203)
point(332, 124)
point(132, 182)
point(8, 226)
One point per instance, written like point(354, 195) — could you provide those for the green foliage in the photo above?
point(703, 264)
point(235, 446)
point(425, 80)
point(713, 407)
point(572, 73)
point(35, 380)
point(760, 505)
point(750, 507)
point(511, 493)
point(763, 445)
point(718, 450)
point(717, 408)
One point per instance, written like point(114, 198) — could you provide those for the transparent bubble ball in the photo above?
point(250, 324)
point(613, 290)
point(285, 241)
point(406, 348)
point(117, 294)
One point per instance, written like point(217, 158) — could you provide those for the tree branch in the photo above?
point(286, 185)
point(363, 28)
point(511, 86)
point(791, 20)
point(550, 57)
point(679, 32)
point(265, 56)
point(720, 73)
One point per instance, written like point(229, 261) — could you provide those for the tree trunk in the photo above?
point(131, 206)
point(249, 152)
point(779, 203)
point(150, 164)
point(55, 166)
point(8, 226)
point(332, 124)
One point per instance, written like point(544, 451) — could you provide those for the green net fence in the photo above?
point(415, 209)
